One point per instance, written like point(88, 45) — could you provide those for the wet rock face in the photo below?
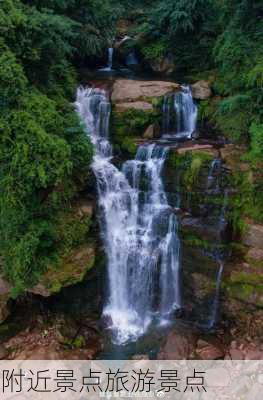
point(204, 228)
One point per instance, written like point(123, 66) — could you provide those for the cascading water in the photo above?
point(215, 305)
point(212, 177)
point(138, 226)
point(110, 57)
point(179, 114)
point(110, 60)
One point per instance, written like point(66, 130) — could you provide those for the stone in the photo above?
point(254, 355)
point(178, 345)
point(255, 254)
point(85, 208)
point(205, 229)
point(209, 351)
point(126, 91)
point(236, 354)
point(204, 148)
point(201, 90)
point(136, 105)
point(152, 132)
point(164, 65)
point(231, 154)
point(71, 271)
point(253, 236)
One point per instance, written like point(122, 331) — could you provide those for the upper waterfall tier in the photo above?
point(179, 114)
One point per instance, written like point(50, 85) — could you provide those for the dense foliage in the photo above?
point(44, 151)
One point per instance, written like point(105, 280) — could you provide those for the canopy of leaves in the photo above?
point(44, 150)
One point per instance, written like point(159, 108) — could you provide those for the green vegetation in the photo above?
point(44, 149)
point(129, 125)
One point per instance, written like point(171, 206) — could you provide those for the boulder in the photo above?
point(201, 90)
point(125, 90)
point(135, 105)
point(236, 354)
point(178, 345)
point(71, 271)
point(85, 208)
point(152, 132)
point(164, 65)
point(209, 351)
point(255, 254)
point(204, 148)
point(253, 236)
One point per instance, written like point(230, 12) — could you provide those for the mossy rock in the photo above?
point(245, 286)
point(69, 271)
point(129, 126)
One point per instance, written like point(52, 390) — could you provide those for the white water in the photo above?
point(138, 226)
point(110, 60)
point(215, 305)
point(211, 178)
point(179, 114)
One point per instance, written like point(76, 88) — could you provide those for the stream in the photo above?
point(139, 227)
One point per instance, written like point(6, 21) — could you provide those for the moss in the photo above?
point(255, 263)
point(193, 240)
point(70, 271)
point(79, 342)
point(247, 199)
point(130, 125)
point(245, 286)
point(244, 277)
point(191, 163)
point(186, 175)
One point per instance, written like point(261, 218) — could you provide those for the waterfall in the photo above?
point(110, 57)
point(110, 60)
point(131, 59)
point(138, 226)
point(214, 167)
point(215, 305)
point(179, 114)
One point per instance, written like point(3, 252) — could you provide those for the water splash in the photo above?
point(138, 226)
